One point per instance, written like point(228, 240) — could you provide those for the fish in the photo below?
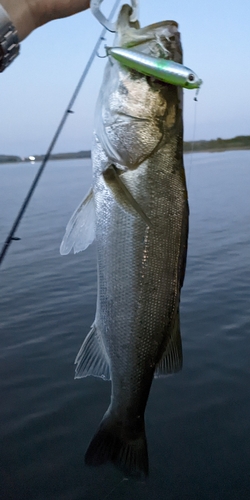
point(137, 210)
point(165, 70)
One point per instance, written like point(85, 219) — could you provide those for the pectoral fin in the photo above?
point(80, 230)
point(122, 195)
point(171, 360)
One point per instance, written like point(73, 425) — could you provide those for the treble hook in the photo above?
point(105, 47)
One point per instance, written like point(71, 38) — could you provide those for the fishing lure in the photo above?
point(163, 69)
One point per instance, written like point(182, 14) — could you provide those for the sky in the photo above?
point(36, 88)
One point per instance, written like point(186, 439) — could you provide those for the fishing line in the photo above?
point(67, 111)
point(192, 142)
point(115, 487)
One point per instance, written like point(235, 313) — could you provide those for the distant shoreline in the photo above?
point(38, 158)
point(217, 150)
point(213, 146)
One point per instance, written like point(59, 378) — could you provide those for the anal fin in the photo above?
point(92, 358)
point(171, 360)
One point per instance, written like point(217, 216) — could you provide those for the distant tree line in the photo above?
point(9, 159)
point(239, 142)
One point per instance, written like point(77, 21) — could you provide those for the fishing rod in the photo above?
point(11, 236)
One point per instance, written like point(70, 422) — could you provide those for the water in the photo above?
point(198, 424)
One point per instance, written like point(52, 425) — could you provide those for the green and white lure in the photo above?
point(163, 69)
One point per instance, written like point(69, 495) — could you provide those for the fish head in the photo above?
point(135, 112)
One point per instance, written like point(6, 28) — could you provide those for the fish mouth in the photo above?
point(160, 24)
point(154, 32)
point(160, 39)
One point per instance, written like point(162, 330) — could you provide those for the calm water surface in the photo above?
point(198, 421)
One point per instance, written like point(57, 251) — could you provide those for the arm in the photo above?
point(26, 15)
point(18, 18)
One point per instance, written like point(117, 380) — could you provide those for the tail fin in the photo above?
point(113, 443)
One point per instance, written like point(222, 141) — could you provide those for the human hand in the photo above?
point(26, 15)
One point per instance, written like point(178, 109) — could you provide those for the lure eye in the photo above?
point(191, 77)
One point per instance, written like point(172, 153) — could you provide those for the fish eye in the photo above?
point(191, 77)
